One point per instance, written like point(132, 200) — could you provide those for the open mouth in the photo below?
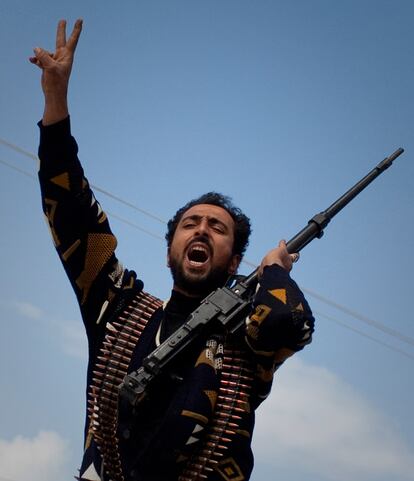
point(198, 254)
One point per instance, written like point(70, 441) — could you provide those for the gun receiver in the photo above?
point(226, 308)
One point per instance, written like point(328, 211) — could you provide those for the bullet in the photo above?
point(230, 362)
point(107, 411)
point(230, 400)
point(204, 459)
point(139, 318)
point(110, 392)
point(218, 446)
point(121, 357)
point(102, 367)
point(128, 337)
point(106, 431)
point(236, 376)
point(219, 438)
point(125, 342)
point(109, 348)
point(115, 378)
point(108, 401)
point(117, 364)
point(229, 391)
point(151, 303)
point(123, 317)
point(225, 431)
point(231, 408)
point(144, 308)
point(118, 325)
point(109, 420)
point(230, 425)
point(228, 415)
point(139, 313)
point(127, 329)
point(235, 384)
point(109, 381)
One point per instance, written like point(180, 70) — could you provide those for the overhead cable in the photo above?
point(361, 333)
point(95, 187)
point(378, 325)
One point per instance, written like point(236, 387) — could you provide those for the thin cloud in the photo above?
point(319, 424)
point(71, 334)
point(74, 340)
point(29, 310)
point(42, 458)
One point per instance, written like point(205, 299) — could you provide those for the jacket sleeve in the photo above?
point(281, 324)
point(79, 227)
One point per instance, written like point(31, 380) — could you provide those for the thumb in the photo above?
point(42, 58)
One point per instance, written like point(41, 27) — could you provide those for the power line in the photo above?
point(122, 201)
point(17, 169)
point(357, 331)
point(376, 324)
point(136, 226)
point(18, 149)
point(111, 214)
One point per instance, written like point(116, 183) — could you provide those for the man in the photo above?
point(198, 419)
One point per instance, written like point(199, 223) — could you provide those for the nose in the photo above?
point(203, 227)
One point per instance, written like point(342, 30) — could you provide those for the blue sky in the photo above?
point(281, 105)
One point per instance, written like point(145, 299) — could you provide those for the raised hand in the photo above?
point(56, 68)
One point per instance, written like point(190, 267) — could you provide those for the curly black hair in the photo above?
point(242, 228)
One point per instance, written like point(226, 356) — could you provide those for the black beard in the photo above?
point(202, 286)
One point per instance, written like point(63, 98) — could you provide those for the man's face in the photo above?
point(201, 253)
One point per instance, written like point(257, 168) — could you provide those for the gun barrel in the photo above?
point(339, 204)
point(317, 224)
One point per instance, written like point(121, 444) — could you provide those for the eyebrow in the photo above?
point(211, 220)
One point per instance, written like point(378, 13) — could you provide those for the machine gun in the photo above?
point(226, 308)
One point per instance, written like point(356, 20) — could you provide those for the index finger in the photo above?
point(61, 34)
point(74, 37)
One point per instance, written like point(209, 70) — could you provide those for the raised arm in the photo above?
point(56, 69)
point(80, 229)
point(281, 322)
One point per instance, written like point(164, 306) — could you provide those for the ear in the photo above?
point(234, 264)
point(168, 258)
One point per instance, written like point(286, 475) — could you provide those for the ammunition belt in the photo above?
point(115, 356)
point(121, 337)
point(232, 401)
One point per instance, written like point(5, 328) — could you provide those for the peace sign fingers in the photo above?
point(61, 42)
point(74, 37)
